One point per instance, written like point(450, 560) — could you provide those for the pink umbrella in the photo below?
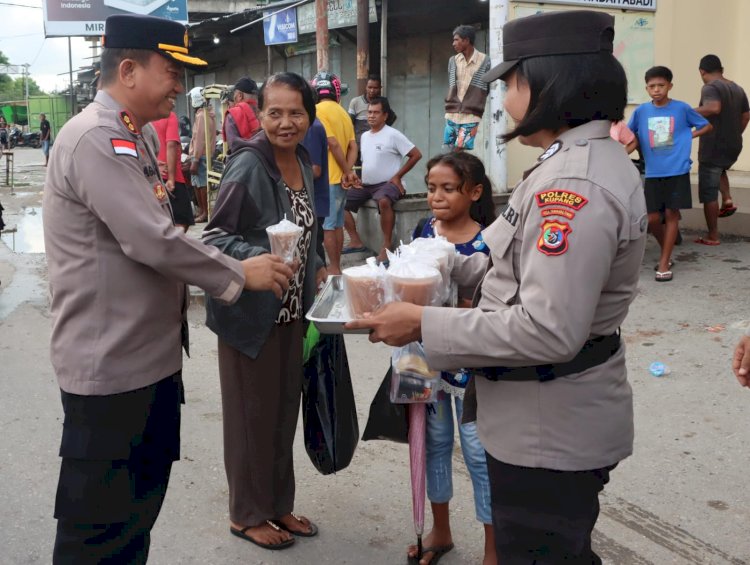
point(417, 463)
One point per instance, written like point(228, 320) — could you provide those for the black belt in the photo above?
point(594, 352)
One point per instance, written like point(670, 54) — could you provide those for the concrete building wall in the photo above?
point(685, 31)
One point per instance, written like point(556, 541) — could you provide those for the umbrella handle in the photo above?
point(419, 547)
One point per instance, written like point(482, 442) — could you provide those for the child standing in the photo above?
point(665, 129)
point(460, 197)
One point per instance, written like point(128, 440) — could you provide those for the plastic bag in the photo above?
point(412, 381)
point(435, 251)
point(413, 281)
point(329, 413)
point(364, 287)
point(387, 421)
point(284, 237)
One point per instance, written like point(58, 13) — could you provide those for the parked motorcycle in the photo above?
point(16, 137)
point(32, 139)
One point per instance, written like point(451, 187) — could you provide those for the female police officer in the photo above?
point(554, 405)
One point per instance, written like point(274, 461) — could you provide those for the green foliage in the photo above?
point(14, 89)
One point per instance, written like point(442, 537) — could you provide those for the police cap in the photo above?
point(166, 37)
point(247, 85)
point(553, 33)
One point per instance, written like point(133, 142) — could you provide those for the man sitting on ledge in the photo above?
point(383, 150)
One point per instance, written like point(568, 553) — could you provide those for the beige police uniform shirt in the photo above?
point(117, 265)
point(566, 256)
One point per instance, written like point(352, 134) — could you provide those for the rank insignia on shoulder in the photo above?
point(565, 198)
point(554, 238)
point(126, 119)
point(160, 191)
point(551, 150)
point(124, 147)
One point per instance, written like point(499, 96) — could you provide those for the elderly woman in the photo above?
point(555, 411)
point(260, 337)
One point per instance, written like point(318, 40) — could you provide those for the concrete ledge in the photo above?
point(409, 211)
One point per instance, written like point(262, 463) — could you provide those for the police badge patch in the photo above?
point(554, 238)
point(160, 192)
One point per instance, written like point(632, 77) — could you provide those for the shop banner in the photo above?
point(645, 5)
point(341, 13)
point(86, 17)
point(280, 27)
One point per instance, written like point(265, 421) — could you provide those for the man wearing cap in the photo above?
point(117, 273)
point(467, 93)
point(241, 121)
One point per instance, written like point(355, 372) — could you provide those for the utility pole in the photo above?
point(70, 72)
point(321, 34)
point(498, 151)
point(384, 46)
point(26, 99)
point(363, 44)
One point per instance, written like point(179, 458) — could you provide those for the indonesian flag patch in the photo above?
point(124, 147)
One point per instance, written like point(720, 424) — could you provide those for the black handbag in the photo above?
point(387, 421)
point(329, 411)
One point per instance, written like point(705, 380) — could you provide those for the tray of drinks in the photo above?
point(330, 311)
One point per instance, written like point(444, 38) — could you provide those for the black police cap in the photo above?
point(247, 85)
point(553, 33)
point(166, 37)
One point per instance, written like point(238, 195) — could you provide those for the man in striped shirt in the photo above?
point(467, 94)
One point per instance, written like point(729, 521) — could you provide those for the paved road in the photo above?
point(682, 498)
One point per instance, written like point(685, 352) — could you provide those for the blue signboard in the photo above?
point(280, 27)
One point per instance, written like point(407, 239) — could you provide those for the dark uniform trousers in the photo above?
point(542, 516)
point(117, 452)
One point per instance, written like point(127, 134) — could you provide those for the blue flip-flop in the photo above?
point(349, 250)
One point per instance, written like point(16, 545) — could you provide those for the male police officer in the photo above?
point(117, 268)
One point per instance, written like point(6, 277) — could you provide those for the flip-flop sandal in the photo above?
point(313, 528)
point(727, 211)
point(671, 264)
point(242, 534)
point(666, 276)
point(709, 242)
point(349, 250)
point(437, 554)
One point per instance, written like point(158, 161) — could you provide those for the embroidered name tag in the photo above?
point(124, 147)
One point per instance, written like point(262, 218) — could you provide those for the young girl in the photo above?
point(460, 197)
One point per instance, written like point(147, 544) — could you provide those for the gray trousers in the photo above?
point(261, 402)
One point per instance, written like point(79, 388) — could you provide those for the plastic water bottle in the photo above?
point(658, 369)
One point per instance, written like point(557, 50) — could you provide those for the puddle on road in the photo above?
point(29, 234)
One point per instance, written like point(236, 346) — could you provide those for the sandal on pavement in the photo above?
point(727, 211)
point(666, 276)
point(671, 264)
point(243, 535)
point(710, 242)
point(437, 553)
point(301, 533)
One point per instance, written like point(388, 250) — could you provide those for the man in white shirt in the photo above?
point(383, 151)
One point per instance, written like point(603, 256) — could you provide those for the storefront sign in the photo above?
point(645, 5)
point(86, 17)
point(341, 13)
point(280, 27)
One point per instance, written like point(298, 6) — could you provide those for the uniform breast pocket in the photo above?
point(500, 283)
